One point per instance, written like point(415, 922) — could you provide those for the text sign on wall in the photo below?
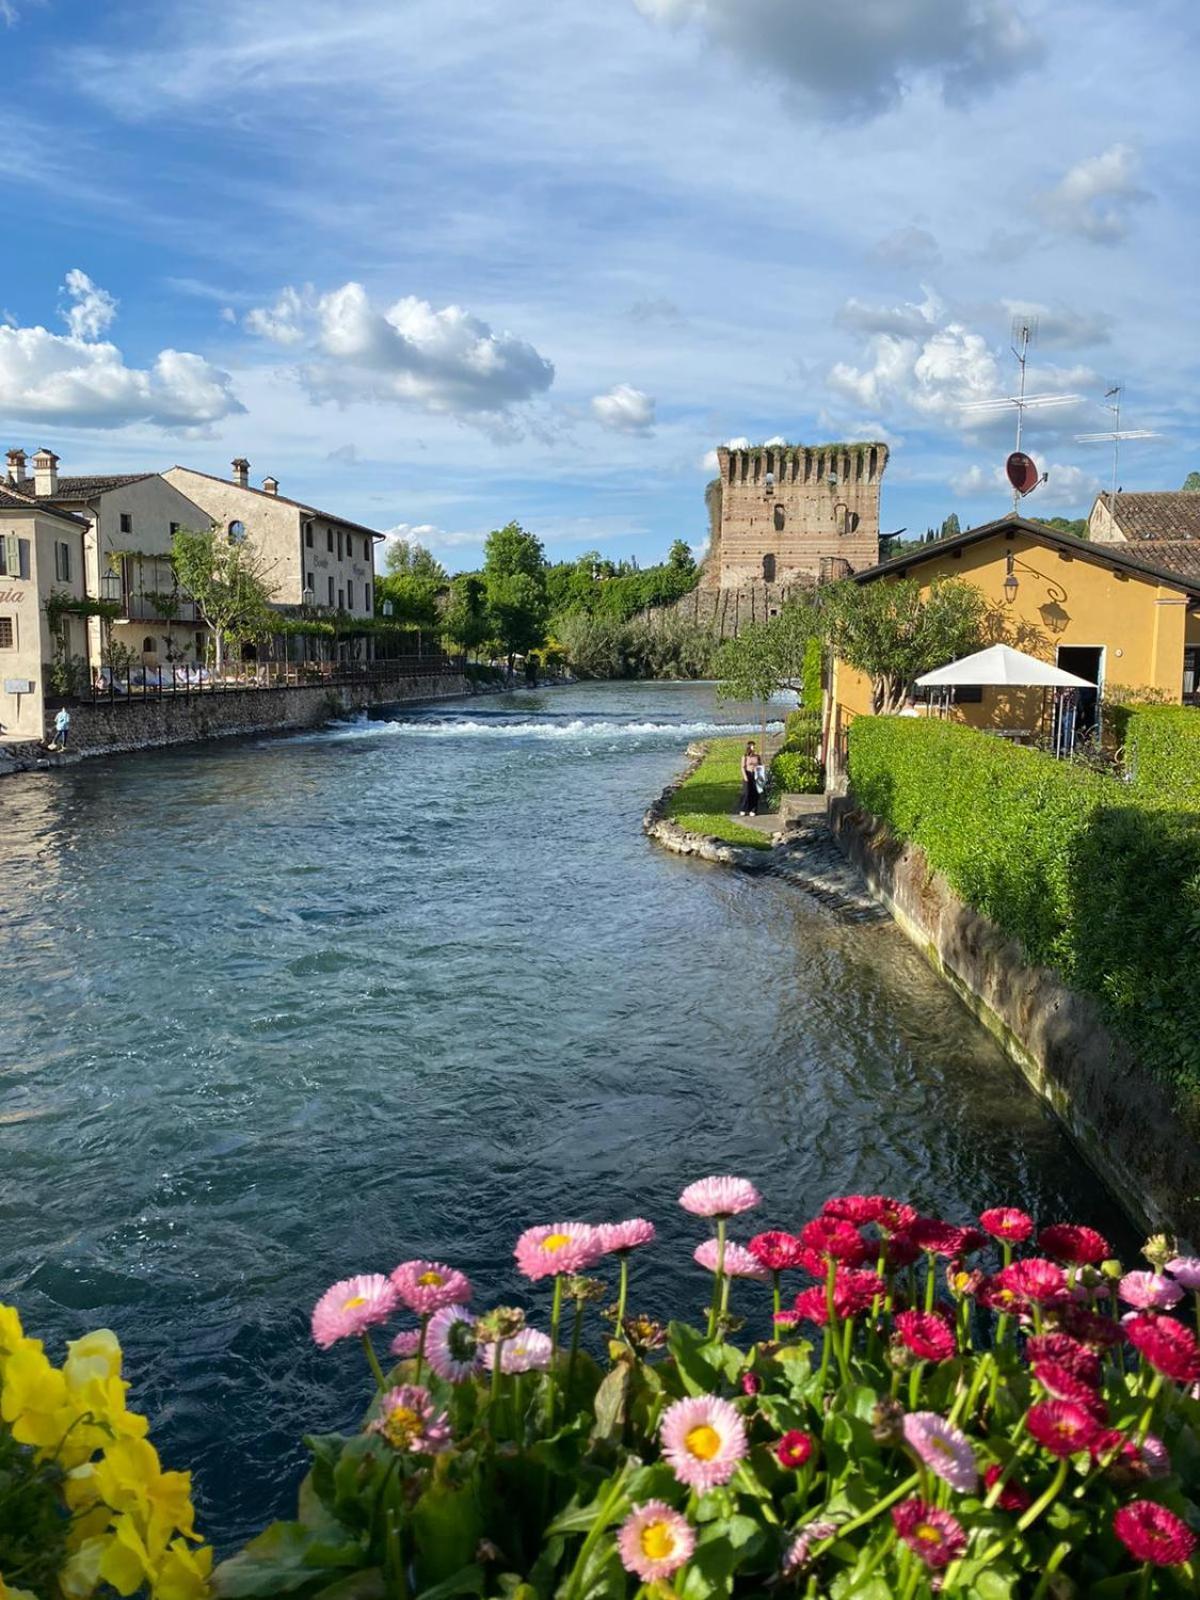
point(18, 685)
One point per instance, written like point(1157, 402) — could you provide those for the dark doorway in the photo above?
point(768, 569)
point(1084, 661)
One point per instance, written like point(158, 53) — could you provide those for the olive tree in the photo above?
point(229, 581)
point(892, 631)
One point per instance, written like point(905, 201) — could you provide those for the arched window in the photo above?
point(768, 569)
point(147, 646)
point(237, 531)
point(779, 519)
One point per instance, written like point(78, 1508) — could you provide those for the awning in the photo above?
point(999, 666)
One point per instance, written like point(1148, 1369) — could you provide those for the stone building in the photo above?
point(787, 514)
point(1158, 518)
point(41, 562)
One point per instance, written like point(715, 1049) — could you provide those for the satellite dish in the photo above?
point(1022, 472)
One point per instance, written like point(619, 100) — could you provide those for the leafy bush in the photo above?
point(974, 1425)
point(1162, 752)
point(800, 727)
point(665, 647)
point(812, 688)
point(1090, 879)
point(794, 772)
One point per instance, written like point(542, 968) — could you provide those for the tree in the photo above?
point(768, 656)
point(1076, 525)
point(950, 526)
point(406, 558)
point(229, 583)
point(414, 599)
point(680, 557)
point(465, 619)
point(892, 632)
point(1191, 484)
point(514, 572)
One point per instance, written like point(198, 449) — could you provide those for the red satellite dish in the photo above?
point(1022, 472)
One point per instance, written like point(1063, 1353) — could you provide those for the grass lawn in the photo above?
point(703, 803)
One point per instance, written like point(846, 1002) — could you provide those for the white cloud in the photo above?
point(1096, 197)
point(81, 379)
point(444, 361)
point(709, 460)
point(624, 409)
point(861, 317)
point(430, 536)
point(860, 61)
point(92, 310)
point(910, 247)
point(1061, 327)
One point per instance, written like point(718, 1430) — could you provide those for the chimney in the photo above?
point(241, 471)
point(270, 485)
point(45, 474)
point(16, 467)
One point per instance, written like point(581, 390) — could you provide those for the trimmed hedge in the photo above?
point(1162, 752)
point(793, 772)
point(1090, 879)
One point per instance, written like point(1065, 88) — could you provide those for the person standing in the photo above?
point(62, 727)
point(751, 763)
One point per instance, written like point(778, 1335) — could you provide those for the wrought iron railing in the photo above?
point(131, 685)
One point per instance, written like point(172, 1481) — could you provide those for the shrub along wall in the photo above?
point(1092, 880)
point(1162, 752)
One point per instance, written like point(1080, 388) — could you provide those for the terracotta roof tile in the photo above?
point(1159, 516)
point(10, 500)
point(1181, 555)
point(84, 488)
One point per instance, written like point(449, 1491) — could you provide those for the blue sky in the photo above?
point(437, 266)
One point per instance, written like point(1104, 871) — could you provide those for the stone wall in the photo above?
point(1124, 1120)
point(144, 724)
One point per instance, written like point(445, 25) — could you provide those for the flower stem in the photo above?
point(421, 1348)
point(864, 1517)
point(373, 1361)
point(717, 1277)
point(601, 1521)
point(930, 1280)
point(622, 1293)
point(1028, 1518)
point(552, 1369)
point(775, 1293)
point(575, 1332)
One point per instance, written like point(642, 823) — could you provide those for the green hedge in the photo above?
point(800, 727)
point(793, 772)
point(1162, 752)
point(812, 685)
point(1091, 880)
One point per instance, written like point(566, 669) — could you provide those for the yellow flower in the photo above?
point(182, 1573)
point(80, 1573)
point(14, 1594)
point(11, 1335)
point(129, 1479)
point(96, 1355)
point(125, 1562)
point(33, 1398)
point(89, 1515)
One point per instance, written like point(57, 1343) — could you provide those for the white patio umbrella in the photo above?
point(1001, 667)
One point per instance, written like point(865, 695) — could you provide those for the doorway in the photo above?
point(1085, 661)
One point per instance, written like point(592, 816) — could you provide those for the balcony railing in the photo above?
point(133, 684)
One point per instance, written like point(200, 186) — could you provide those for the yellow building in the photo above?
point(1101, 611)
point(41, 576)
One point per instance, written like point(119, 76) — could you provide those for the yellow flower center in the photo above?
point(658, 1541)
point(940, 1445)
point(401, 1426)
point(928, 1534)
point(556, 1241)
point(431, 1280)
point(354, 1300)
point(703, 1442)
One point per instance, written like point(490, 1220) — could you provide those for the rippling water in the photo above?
point(279, 1011)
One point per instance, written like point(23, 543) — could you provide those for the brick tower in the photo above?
point(792, 514)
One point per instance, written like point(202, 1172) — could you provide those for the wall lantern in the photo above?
point(1010, 580)
point(110, 585)
point(307, 597)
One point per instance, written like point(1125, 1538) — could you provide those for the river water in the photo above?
point(278, 1011)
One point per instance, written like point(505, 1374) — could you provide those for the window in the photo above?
point(1191, 673)
point(174, 527)
point(308, 535)
point(14, 556)
point(341, 599)
point(367, 598)
point(8, 634)
point(148, 646)
point(308, 582)
point(126, 522)
point(366, 549)
point(237, 532)
point(329, 540)
point(768, 569)
point(349, 594)
point(339, 544)
point(331, 584)
point(62, 561)
point(779, 519)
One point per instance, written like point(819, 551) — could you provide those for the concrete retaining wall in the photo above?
point(102, 730)
point(1123, 1119)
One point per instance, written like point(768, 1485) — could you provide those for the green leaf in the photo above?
point(447, 1526)
point(467, 1580)
point(612, 1399)
point(284, 1559)
point(369, 1584)
point(993, 1584)
point(686, 1344)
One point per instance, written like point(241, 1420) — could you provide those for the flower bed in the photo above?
point(983, 1410)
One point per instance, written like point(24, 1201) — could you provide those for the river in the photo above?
point(277, 1011)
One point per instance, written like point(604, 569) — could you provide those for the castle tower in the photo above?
point(795, 513)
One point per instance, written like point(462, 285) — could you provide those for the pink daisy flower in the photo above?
point(617, 1238)
point(778, 1252)
point(943, 1448)
point(1155, 1457)
point(796, 1556)
point(1061, 1427)
point(351, 1307)
point(703, 1439)
point(1152, 1533)
point(406, 1343)
point(1186, 1271)
point(450, 1344)
point(1006, 1222)
point(739, 1263)
point(1062, 1384)
point(427, 1286)
point(719, 1197)
point(529, 1351)
point(409, 1423)
point(936, 1536)
point(1033, 1279)
point(654, 1541)
point(555, 1247)
point(1148, 1291)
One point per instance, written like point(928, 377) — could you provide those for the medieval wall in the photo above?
point(790, 513)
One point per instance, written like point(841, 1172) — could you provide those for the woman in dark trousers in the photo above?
point(750, 765)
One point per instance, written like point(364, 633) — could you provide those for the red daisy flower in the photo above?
point(1152, 1533)
point(996, 1296)
point(853, 1292)
point(1006, 1222)
point(937, 1237)
point(1112, 1446)
point(899, 1250)
point(831, 1238)
point(778, 1252)
point(1167, 1345)
point(1014, 1496)
point(1065, 1352)
point(1090, 1327)
point(1033, 1279)
point(927, 1334)
point(1076, 1245)
point(887, 1214)
point(794, 1449)
point(1061, 1427)
point(935, 1535)
point(1061, 1384)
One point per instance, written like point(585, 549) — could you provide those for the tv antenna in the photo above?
point(1024, 333)
point(1114, 435)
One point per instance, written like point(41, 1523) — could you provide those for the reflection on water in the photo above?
point(288, 1009)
